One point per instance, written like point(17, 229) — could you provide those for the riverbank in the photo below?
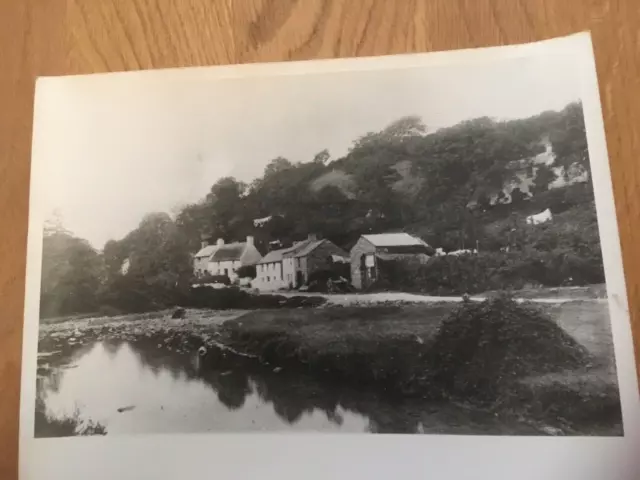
point(567, 382)
point(383, 349)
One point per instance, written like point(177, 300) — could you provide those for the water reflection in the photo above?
point(175, 392)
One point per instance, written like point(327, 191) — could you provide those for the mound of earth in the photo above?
point(482, 348)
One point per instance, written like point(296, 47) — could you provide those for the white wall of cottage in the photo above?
point(269, 277)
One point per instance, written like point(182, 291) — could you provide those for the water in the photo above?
point(160, 391)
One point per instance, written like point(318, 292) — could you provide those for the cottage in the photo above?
point(291, 267)
point(370, 249)
point(225, 258)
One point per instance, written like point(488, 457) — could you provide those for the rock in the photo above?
point(179, 313)
point(549, 430)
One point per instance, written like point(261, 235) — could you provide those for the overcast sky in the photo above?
point(118, 147)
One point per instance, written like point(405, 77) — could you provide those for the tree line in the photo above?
point(446, 186)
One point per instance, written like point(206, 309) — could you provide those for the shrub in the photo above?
point(66, 426)
point(247, 271)
point(223, 279)
point(456, 275)
point(483, 347)
point(234, 298)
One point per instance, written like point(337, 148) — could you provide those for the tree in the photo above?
point(322, 157)
point(277, 165)
point(71, 274)
point(569, 139)
point(544, 177)
point(160, 266)
point(404, 127)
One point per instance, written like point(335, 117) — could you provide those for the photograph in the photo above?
point(412, 249)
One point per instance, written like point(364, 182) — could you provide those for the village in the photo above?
point(314, 262)
point(293, 267)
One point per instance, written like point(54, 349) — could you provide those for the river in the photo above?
point(131, 387)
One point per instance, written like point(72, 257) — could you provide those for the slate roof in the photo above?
point(276, 255)
point(304, 250)
point(406, 249)
point(228, 252)
point(206, 251)
point(300, 249)
point(393, 240)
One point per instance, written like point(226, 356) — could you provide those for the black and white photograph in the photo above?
point(402, 250)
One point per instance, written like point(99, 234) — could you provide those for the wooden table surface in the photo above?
point(52, 37)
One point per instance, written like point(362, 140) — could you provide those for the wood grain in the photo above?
point(39, 37)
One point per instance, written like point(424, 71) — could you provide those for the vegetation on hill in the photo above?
point(466, 186)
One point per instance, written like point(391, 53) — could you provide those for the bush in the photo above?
point(223, 279)
point(456, 275)
point(66, 426)
point(234, 298)
point(247, 271)
point(482, 348)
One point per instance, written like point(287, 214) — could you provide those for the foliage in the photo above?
point(483, 347)
point(47, 426)
point(235, 298)
point(247, 271)
point(71, 271)
point(579, 263)
point(208, 278)
point(447, 186)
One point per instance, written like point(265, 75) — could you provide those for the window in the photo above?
point(268, 278)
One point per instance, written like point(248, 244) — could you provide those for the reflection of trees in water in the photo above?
point(159, 359)
point(291, 394)
point(112, 347)
point(232, 386)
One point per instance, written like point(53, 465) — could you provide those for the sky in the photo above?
point(115, 148)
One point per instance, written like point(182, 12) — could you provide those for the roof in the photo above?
point(206, 251)
point(277, 255)
point(406, 249)
point(393, 240)
point(228, 251)
point(396, 255)
point(300, 249)
point(308, 247)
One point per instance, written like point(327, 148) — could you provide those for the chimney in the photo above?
point(220, 241)
point(249, 240)
point(313, 237)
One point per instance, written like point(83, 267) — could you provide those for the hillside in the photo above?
point(445, 186)
point(471, 185)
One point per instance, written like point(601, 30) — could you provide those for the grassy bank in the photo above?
point(381, 345)
point(47, 425)
point(520, 361)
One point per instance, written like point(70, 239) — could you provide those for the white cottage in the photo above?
point(225, 258)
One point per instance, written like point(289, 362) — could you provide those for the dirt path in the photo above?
point(373, 298)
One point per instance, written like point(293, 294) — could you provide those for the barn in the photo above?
point(370, 250)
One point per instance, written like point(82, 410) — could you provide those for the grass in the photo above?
point(47, 426)
point(380, 345)
point(392, 349)
point(596, 291)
